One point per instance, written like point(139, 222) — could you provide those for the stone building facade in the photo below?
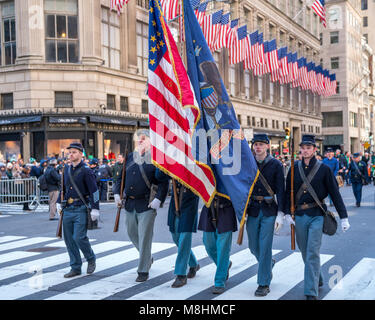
point(74, 70)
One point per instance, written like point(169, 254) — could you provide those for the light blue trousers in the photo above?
point(218, 248)
point(309, 231)
point(75, 236)
point(185, 255)
point(140, 227)
point(260, 234)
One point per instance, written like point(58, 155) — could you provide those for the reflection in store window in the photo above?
point(9, 150)
point(111, 149)
point(58, 147)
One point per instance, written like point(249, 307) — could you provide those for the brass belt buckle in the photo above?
point(304, 206)
point(70, 200)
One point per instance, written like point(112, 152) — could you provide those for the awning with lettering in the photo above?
point(5, 121)
point(123, 122)
point(67, 120)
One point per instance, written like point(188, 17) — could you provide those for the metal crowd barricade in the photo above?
point(19, 191)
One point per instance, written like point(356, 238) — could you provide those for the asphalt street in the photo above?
point(349, 256)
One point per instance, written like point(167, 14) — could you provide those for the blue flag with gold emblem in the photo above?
point(225, 149)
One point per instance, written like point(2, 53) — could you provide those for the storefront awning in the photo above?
point(81, 120)
point(123, 122)
point(20, 120)
point(144, 124)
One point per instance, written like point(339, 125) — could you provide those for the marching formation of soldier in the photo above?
point(145, 189)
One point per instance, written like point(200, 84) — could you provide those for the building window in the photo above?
point(247, 83)
point(8, 52)
point(261, 122)
point(142, 48)
point(232, 80)
point(143, 3)
point(277, 124)
point(364, 5)
point(111, 39)
point(332, 119)
point(248, 121)
point(321, 38)
point(273, 124)
point(124, 104)
point(334, 37)
point(337, 87)
point(63, 99)
point(6, 101)
point(334, 62)
point(366, 37)
point(353, 119)
point(365, 21)
point(61, 20)
point(239, 119)
point(111, 102)
point(145, 106)
point(253, 123)
point(266, 123)
point(260, 88)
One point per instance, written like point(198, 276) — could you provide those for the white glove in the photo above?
point(155, 204)
point(345, 224)
point(289, 220)
point(117, 200)
point(58, 208)
point(94, 214)
point(279, 221)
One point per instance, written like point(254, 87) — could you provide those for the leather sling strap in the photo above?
point(310, 188)
point(309, 178)
point(71, 179)
point(263, 179)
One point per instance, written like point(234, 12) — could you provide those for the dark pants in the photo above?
point(357, 190)
point(75, 236)
point(103, 188)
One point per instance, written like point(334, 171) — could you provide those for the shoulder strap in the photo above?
point(357, 169)
point(262, 178)
point(71, 179)
point(309, 178)
point(309, 187)
point(144, 176)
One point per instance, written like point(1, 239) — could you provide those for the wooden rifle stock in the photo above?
point(176, 206)
point(292, 207)
point(59, 226)
point(240, 232)
point(117, 221)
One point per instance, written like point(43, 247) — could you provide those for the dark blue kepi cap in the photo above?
point(356, 155)
point(308, 139)
point(76, 145)
point(261, 137)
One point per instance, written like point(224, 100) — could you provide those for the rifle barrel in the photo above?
point(123, 175)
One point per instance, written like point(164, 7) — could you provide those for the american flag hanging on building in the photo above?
point(201, 12)
point(118, 5)
point(211, 27)
point(253, 51)
point(319, 8)
point(232, 33)
point(261, 66)
point(223, 33)
point(237, 49)
point(171, 8)
point(272, 60)
point(173, 116)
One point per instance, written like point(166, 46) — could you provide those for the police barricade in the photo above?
point(21, 191)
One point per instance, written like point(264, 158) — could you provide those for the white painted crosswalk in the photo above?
point(33, 274)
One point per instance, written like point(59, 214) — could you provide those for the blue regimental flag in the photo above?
point(226, 150)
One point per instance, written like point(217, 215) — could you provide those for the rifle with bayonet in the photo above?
point(123, 177)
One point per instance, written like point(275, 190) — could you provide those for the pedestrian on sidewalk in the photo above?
point(358, 176)
point(53, 185)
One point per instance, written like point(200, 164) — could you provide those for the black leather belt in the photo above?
point(75, 202)
point(145, 196)
point(306, 206)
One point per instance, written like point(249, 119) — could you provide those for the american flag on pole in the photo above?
point(282, 71)
point(232, 33)
point(195, 4)
point(333, 85)
point(237, 49)
point(223, 33)
point(173, 110)
point(201, 12)
point(171, 8)
point(211, 27)
point(252, 51)
point(272, 60)
point(118, 5)
point(287, 78)
point(261, 66)
point(319, 8)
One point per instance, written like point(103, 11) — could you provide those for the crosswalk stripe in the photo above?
point(24, 243)
point(4, 216)
point(203, 280)
point(43, 263)
point(61, 243)
point(106, 287)
point(357, 284)
point(43, 281)
point(15, 255)
point(287, 273)
point(10, 238)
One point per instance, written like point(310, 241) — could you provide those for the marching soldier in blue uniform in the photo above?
point(218, 222)
point(75, 210)
point(358, 176)
point(309, 217)
point(265, 208)
point(140, 209)
point(182, 224)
